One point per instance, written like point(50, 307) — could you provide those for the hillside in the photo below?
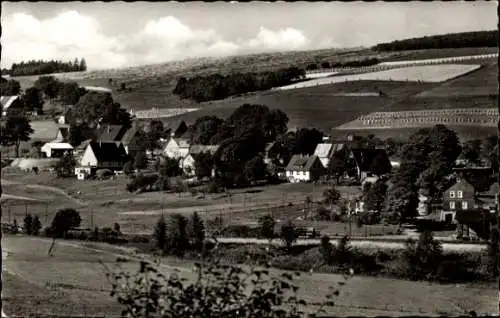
point(443, 41)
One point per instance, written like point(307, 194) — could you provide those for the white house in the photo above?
point(56, 149)
point(304, 169)
point(176, 148)
point(110, 156)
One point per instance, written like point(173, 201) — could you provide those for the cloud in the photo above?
point(71, 34)
point(288, 38)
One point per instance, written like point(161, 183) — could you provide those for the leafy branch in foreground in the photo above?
point(214, 290)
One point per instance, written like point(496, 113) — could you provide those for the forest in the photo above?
point(217, 86)
point(446, 41)
point(41, 67)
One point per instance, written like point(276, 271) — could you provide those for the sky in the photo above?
point(122, 34)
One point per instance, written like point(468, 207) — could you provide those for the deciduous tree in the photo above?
point(17, 129)
point(32, 100)
point(65, 220)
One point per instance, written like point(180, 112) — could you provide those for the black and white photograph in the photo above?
point(249, 159)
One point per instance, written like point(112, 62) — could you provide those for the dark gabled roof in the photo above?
point(64, 132)
point(301, 163)
point(129, 135)
point(110, 133)
point(364, 157)
point(173, 124)
point(84, 144)
point(109, 151)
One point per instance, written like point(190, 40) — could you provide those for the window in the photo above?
point(460, 194)
point(452, 194)
point(452, 205)
point(464, 205)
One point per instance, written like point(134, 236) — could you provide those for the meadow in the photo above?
point(440, 53)
point(73, 282)
point(104, 202)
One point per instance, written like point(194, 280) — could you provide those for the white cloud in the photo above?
point(71, 34)
point(288, 38)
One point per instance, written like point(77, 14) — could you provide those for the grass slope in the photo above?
point(73, 282)
point(440, 53)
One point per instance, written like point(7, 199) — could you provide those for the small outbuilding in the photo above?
point(56, 149)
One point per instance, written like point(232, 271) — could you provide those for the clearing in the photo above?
point(73, 282)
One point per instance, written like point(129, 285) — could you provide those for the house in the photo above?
point(187, 163)
point(176, 128)
point(325, 151)
point(56, 149)
point(364, 162)
point(304, 169)
point(110, 133)
point(128, 139)
point(459, 197)
point(62, 135)
point(9, 103)
point(176, 148)
point(80, 149)
point(104, 155)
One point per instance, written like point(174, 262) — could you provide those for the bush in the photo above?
point(266, 225)
point(218, 292)
point(213, 187)
point(422, 258)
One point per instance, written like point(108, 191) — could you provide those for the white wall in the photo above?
point(298, 176)
point(88, 158)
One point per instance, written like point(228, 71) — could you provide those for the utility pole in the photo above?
point(92, 218)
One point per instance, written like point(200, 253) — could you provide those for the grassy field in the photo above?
point(73, 282)
point(102, 203)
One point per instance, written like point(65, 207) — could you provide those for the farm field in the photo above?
point(73, 282)
point(425, 73)
point(464, 132)
point(440, 53)
point(426, 118)
point(482, 82)
point(318, 106)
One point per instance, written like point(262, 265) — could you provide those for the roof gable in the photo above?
point(108, 151)
point(129, 135)
point(365, 157)
point(110, 133)
point(301, 163)
point(461, 184)
point(7, 101)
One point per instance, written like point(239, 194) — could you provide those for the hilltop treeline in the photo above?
point(217, 86)
point(446, 41)
point(355, 63)
point(46, 67)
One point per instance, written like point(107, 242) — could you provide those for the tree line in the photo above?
point(354, 63)
point(217, 86)
point(453, 40)
point(46, 67)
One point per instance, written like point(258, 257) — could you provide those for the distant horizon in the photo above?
point(130, 34)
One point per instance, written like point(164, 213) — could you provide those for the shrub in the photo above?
point(422, 258)
point(219, 291)
point(213, 187)
point(177, 242)
point(288, 234)
point(326, 250)
point(160, 233)
point(266, 225)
